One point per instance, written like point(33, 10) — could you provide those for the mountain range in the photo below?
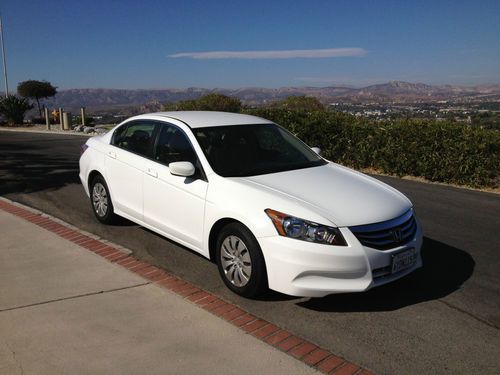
point(394, 91)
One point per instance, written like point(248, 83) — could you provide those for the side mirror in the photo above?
point(316, 150)
point(182, 168)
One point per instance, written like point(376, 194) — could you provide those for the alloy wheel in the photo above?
point(100, 199)
point(236, 261)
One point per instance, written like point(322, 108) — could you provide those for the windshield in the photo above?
point(249, 150)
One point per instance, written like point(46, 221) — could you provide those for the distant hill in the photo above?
point(394, 91)
point(405, 91)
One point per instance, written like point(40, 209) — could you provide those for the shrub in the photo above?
point(210, 102)
point(14, 108)
point(449, 152)
point(438, 151)
point(89, 121)
point(304, 103)
point(183, 105)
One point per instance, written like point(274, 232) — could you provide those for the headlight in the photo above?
point(293, 227)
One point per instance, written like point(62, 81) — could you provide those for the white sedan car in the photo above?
point(247, 194)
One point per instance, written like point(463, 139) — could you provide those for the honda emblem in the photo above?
point(397, 235)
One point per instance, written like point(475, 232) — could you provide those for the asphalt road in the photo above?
point(442, 319)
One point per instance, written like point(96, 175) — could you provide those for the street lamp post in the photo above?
point(4, 61)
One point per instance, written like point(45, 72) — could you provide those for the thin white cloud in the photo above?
point(285, 54)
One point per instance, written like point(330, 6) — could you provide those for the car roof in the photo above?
point(203, 119)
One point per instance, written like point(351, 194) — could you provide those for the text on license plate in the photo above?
point(404, 260)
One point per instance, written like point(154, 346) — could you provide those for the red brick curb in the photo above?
point(303, 350)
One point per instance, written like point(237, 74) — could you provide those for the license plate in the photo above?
point(404, 260)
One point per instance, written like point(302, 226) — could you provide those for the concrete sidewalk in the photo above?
point(64, 309)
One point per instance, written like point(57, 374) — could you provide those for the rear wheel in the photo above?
point(240, 261)
point(101, 200)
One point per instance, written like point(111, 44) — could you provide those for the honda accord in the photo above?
point(249, 195)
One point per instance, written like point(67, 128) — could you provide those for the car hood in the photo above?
point(341, 195)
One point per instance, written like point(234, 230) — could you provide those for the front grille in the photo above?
point(387, 234)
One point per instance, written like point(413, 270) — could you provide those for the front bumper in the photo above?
point(300, 268)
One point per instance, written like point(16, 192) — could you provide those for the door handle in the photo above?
point(112, 154)
point(151, 172)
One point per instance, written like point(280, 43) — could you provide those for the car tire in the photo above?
point(100, 200)
point(240, 261)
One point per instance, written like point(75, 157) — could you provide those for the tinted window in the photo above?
point(249, 150)
point(118, 134)
point(173, 145)
point(135, 137)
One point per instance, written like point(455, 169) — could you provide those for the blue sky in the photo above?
point(229, 44)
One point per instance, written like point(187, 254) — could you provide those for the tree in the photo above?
point(306, 103)
point(14, 108)
point(36, 90)
point(210, 102)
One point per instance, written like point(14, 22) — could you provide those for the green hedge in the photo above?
point(438, 151)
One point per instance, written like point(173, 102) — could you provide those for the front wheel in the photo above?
point(240, 261)
point(101, 200)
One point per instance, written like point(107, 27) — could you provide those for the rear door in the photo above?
point(131, 144)
point(174, 204)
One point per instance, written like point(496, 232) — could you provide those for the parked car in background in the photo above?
point(247, 194)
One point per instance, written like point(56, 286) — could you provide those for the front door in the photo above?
point(174, 204)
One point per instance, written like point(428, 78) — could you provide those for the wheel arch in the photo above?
point(214, 232)
point(257, 284)
point(93, 175)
